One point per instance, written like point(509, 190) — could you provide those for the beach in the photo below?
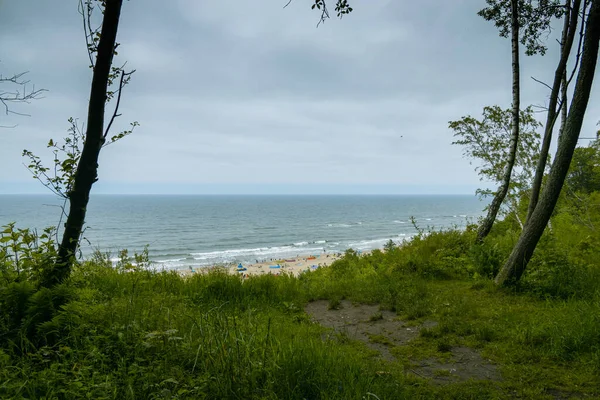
point(293, 266)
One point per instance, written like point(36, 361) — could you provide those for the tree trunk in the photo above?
point(563, 108)
point(568, 35)
point(534, 228)
point(488, 222)
point(87, 169)
point(514, 208)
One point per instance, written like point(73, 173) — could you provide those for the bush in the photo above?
point(437, 255)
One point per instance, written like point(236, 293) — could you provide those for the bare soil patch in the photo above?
point(465, 364)
point(381, 330)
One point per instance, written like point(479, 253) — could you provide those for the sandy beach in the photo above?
point(294, 266)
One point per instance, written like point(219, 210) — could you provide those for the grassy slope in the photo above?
point(126, 335)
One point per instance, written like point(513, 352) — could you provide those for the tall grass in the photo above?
point(130, 333)
point(138, 334)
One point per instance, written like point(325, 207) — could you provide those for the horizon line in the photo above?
point(248, 194)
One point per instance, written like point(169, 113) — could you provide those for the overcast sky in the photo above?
point(240, 96)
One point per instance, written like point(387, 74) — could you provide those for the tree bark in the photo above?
point(563, 107)
point(488, 222)
point(534, 228)
point(87, 169)
point(568, 35)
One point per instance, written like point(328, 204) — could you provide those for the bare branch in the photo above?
point(342, 7)
point(540, 109)
point(543, 83)
point(115, 113)
point(46, 183)
point(124, 79)
point(18, 96)
point(86, 10)
point(324, 14)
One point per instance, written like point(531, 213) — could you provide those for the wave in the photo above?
point(259, 252)
point(399, 222)
point(194, 260)
point(174, 260)
point(377, 243)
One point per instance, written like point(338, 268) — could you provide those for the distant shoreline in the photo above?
point(294, 266)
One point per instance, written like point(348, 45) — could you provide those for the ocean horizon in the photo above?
point(188, 230)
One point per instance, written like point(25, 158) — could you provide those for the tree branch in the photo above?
point(543, 83)
point(341, 7)
point(122, 83)
point(18, 96)
point(580, 43)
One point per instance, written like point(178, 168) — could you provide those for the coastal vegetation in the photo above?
point(125, 332)
point(506, 308)
point(438, 326)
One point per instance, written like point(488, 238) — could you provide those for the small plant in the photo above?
point(139, 261)
point(334, 304)
point(485, 333)
point(419, 230)
point(443, 345)
point(442, 372)
point(430, 333)
point(376, 317)
point(390, 245)
point(381, 339)
point(25, 254)
point(478, 285)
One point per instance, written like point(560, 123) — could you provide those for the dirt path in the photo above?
point(382, 331)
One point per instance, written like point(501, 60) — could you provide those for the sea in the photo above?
point(183, 231)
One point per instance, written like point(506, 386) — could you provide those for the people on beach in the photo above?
point(275, 266)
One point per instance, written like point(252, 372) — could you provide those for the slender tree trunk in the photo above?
point(534, 227)
point(515, 210)
point(488, 222)
point(568, 35)
point(563, 108)
point(87, 169)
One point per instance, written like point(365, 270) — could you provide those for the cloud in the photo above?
point(240, 93)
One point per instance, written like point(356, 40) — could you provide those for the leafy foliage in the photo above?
point(59, 179)
point(125, 331)
point(535, 20)
point(486, 142)
point(342, 7)
point(584, 173)
point(24, 253)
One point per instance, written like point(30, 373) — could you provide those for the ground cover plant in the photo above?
point(506, 308)
point(436, 325)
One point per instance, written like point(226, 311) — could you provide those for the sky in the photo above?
point(249, 97)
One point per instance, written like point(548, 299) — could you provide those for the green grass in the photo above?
point(132, 334)
point(143, 335)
